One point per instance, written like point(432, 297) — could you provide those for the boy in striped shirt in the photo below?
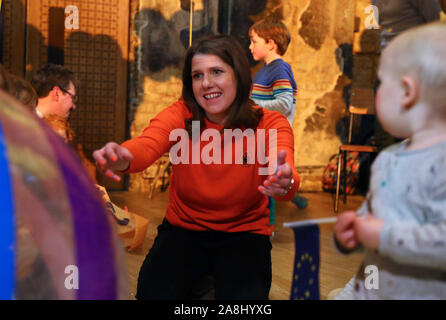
point(274, 87)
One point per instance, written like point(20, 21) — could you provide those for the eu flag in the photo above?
point(305, 284)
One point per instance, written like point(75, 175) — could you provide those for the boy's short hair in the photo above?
point(270, 29)
point(421, 53)
point(50, 76)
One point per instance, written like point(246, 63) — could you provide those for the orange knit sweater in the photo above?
point(220, 197)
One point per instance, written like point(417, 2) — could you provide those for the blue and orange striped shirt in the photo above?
point(274, 88)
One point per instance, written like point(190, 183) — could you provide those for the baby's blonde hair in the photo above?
point(421, 54)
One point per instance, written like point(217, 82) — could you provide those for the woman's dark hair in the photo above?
point(242, 113)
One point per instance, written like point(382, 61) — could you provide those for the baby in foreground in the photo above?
point(402, 224)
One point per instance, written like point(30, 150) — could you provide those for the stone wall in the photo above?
point(320, 54)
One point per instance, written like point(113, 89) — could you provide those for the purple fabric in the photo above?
point(92, 231)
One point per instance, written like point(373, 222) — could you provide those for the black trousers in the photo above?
point(240, 264)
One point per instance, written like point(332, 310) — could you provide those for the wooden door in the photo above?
point(13, 22)
point(97, 52)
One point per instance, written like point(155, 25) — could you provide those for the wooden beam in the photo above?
point(14, 14)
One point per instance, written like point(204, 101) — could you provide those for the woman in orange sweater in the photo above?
point(217, 220)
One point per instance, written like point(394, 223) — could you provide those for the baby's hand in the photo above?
point(344, 230)
point(368, 231)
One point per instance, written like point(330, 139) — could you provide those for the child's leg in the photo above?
point(272, 210)
point(300, 201)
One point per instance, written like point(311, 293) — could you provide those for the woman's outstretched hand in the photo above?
point(279, 183)
point(112, 157)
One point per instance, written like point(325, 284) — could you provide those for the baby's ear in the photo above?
point(411, 92)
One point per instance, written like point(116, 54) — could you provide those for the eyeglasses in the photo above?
point(73, 96)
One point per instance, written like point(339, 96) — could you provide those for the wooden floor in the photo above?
point(335, 270)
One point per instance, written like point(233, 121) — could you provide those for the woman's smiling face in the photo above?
point(214, 85)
